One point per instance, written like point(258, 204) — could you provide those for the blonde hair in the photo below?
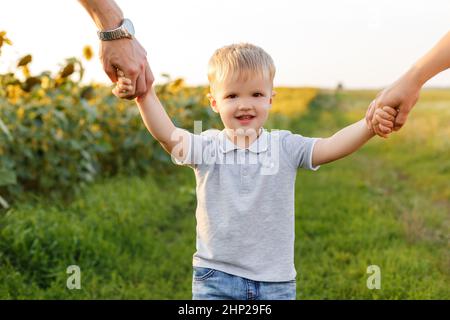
point(240, 61)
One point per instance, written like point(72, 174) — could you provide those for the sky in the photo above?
point(359, 43)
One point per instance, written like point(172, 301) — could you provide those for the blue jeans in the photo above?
point(211, 284)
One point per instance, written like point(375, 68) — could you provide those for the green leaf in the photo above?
point(3, 203)
point(7, 177)
point(5, 130)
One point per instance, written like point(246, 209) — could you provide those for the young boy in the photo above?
point(245, 177)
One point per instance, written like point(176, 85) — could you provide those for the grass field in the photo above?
point(133, 237)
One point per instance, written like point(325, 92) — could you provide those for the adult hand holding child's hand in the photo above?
point(383, 120)
point(402, 95)
point(123, 86)
point(129, 56)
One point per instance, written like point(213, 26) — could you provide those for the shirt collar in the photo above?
point(259, 145)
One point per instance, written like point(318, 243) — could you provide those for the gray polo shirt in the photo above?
point(245, 202)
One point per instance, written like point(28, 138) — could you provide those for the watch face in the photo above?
point(128, 25)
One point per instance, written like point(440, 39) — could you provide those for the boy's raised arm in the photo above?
point(349, 139)
point(174, 140)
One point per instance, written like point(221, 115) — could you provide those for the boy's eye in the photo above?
point(258, 94)
point(231, 96)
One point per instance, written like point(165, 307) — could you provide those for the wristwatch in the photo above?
point(125, 30)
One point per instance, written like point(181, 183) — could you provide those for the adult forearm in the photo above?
point(105, 13)
point(433, 62)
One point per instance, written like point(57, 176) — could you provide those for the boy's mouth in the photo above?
point(244, 119)
point(247, 116)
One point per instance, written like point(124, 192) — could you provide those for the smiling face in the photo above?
point(243, 103)
point(241, 80)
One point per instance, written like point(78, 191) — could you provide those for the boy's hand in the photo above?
point(384, 118)
point(123, 86)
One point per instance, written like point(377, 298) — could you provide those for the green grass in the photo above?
point(387, 205)
point(133, 237)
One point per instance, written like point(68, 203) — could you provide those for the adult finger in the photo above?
point(111, 71)
point(149, 78)
point(141, 86)
point(149, 82)
point(401, 118)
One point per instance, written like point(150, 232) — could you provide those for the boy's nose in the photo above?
point(245, 105)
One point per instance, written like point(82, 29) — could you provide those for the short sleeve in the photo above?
point(299, 150)
point(198, 144)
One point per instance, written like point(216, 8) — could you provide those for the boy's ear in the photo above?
point(274, 93)
point(212, 102)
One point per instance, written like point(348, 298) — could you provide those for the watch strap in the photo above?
point(114, 34)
